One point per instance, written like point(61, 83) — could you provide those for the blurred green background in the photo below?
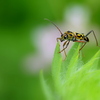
point(21, 31)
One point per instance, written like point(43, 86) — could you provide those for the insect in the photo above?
point(73, 36)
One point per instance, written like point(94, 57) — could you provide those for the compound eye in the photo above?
point(70, 34)
point(65, 37)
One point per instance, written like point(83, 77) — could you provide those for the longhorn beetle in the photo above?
point(73, 36)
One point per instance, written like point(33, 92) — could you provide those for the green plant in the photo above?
point(72, 79)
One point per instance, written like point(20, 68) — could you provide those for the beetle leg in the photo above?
point(58, 39)
point(64, 45)
point(82, 46)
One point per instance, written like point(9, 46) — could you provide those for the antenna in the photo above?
point(54, 25)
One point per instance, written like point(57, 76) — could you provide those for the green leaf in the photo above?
point(56, 68)
point(72, 59)
point(72, 62)
point(92, 64)
point(46, 89)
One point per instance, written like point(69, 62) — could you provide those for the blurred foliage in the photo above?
point(17, 19)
